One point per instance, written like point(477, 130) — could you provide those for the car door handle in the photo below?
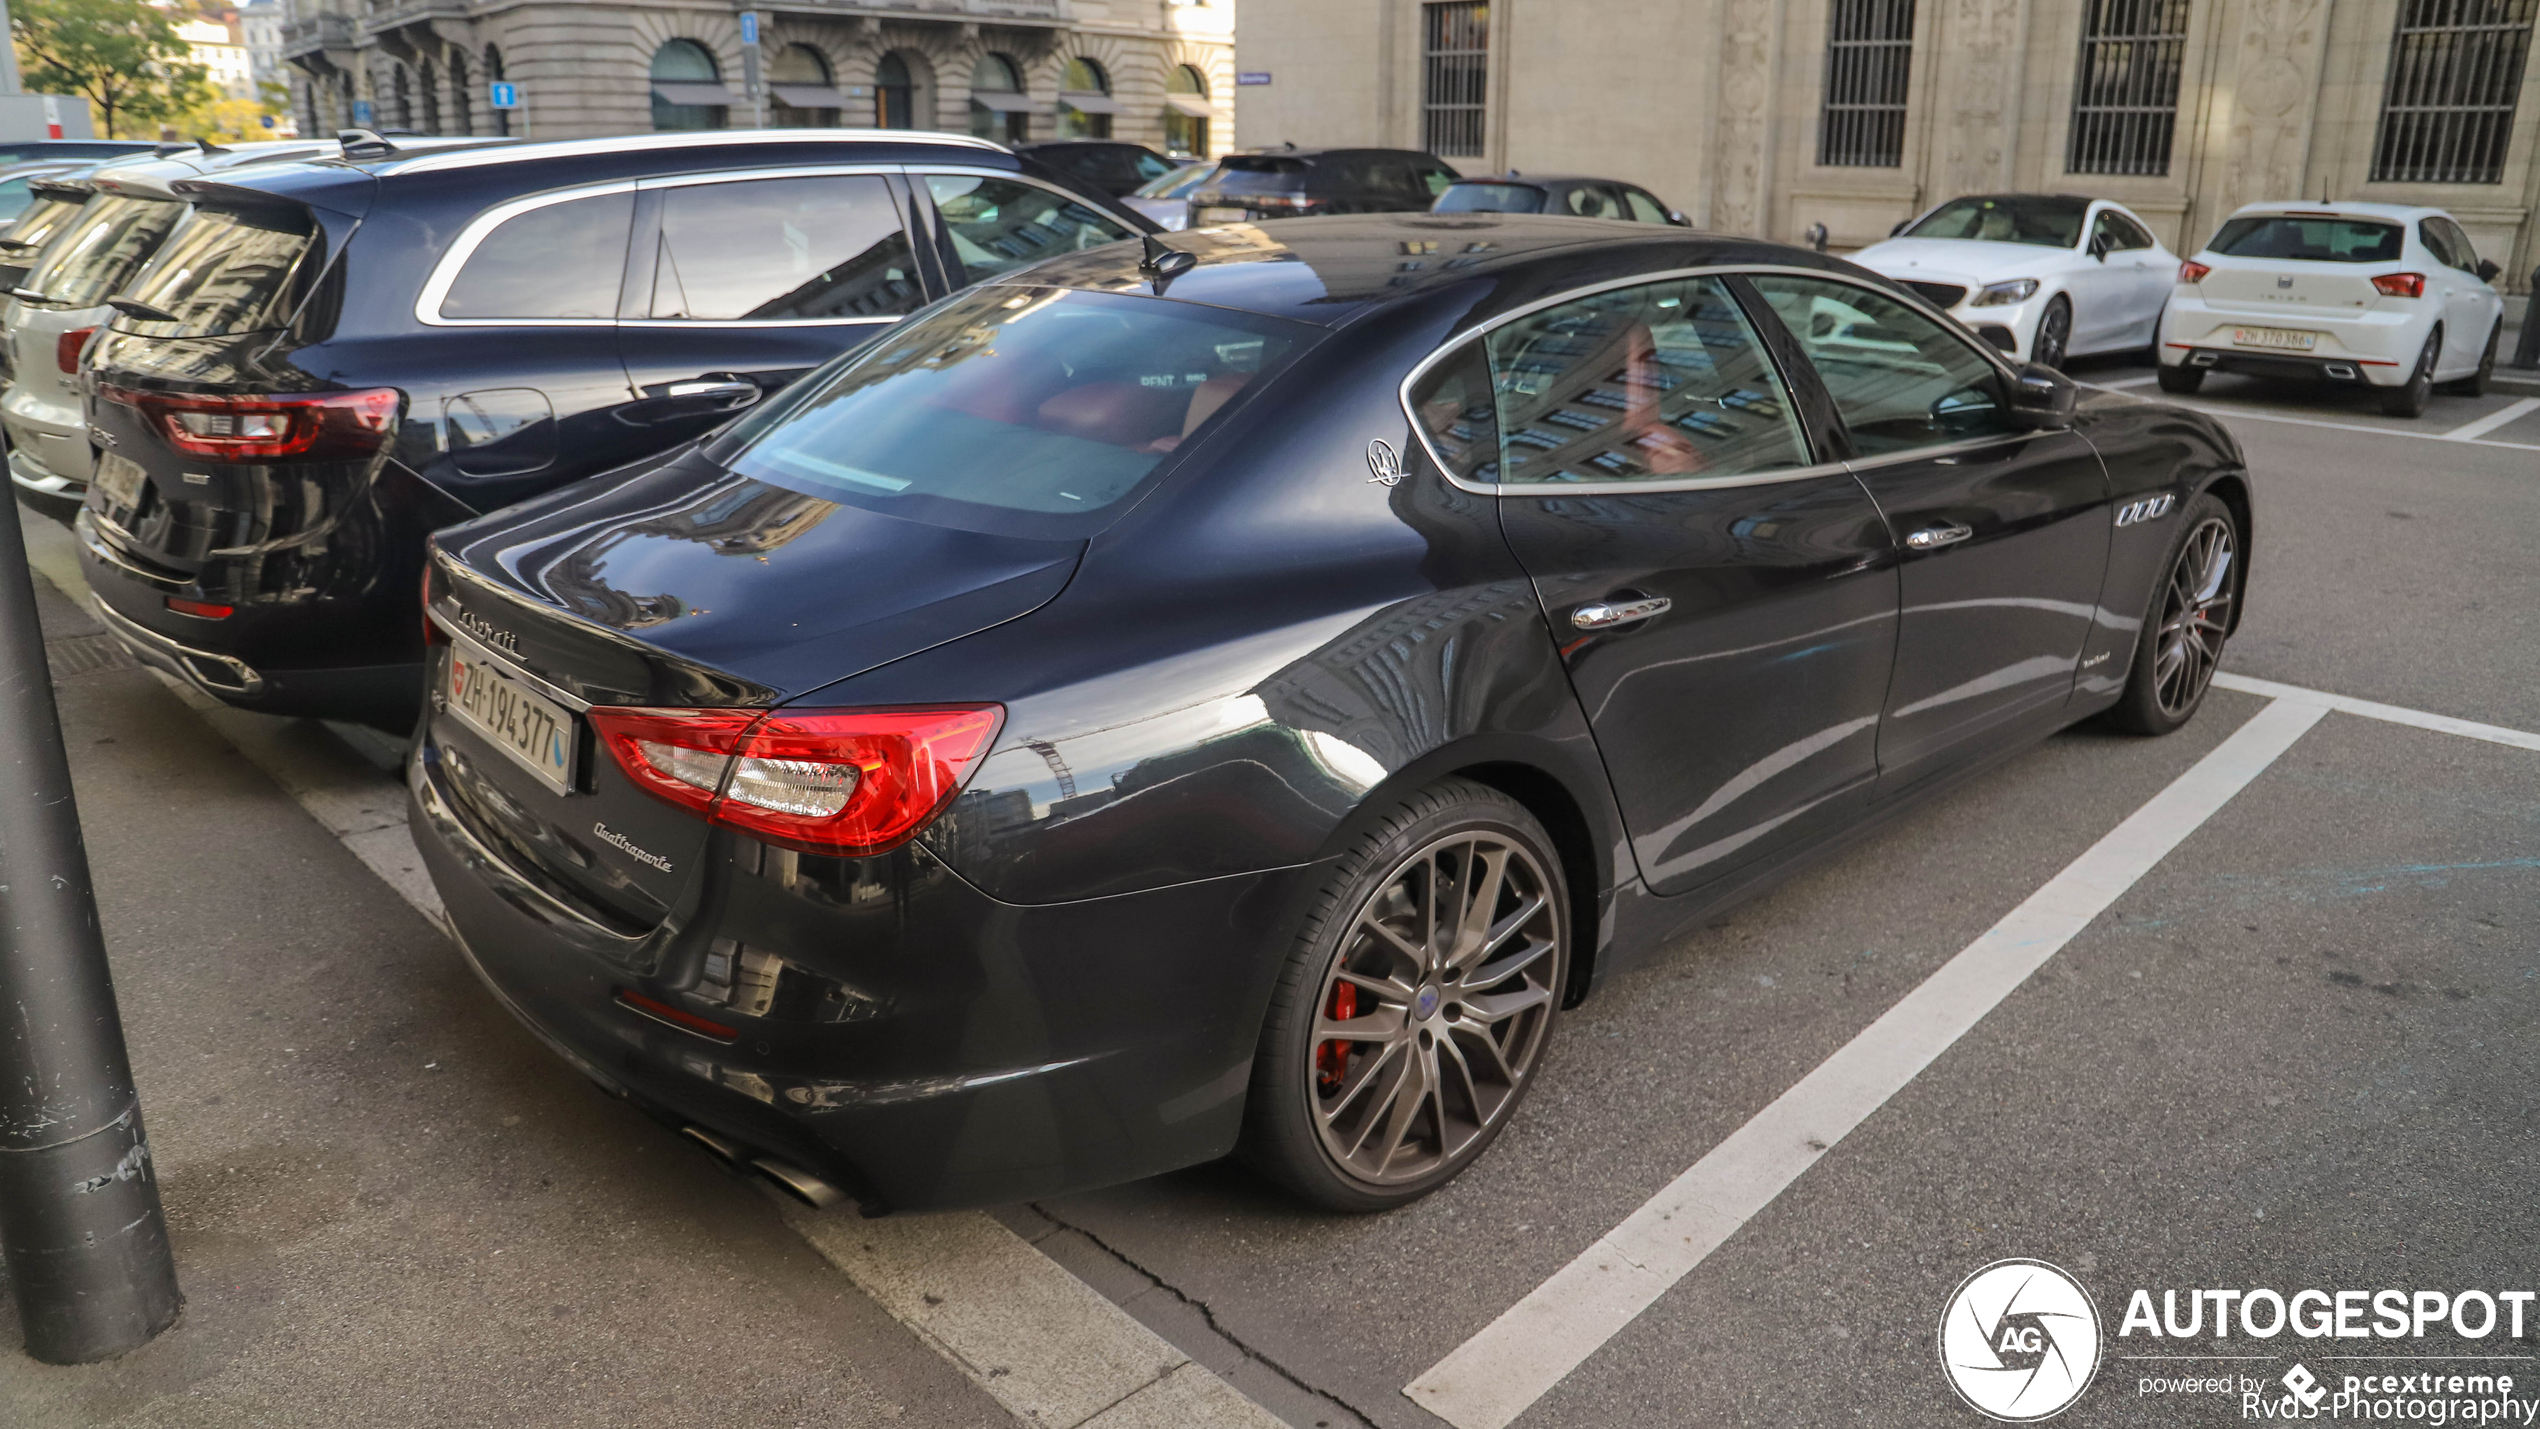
point(713, 391)
point(1606, 614)
point(1932, 538)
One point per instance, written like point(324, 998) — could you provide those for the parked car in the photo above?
point(338, 357)
point(2384, 296)
point(128, 211)
point(36, 151)
point(17, 194)
point(1289, 182)
point(1127, 714)
point(1165, 201)
point(53, 199)
point(1110, 166)
point(2042, 276)
point(1556, 193)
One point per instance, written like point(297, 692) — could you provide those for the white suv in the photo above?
point(2372, 294)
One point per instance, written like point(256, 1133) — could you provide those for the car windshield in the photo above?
point(111, 238)
point(2043, 220)
point(1010, 409)
point(1490, 198)
point(1177, 183)
point(1249, 174)
point(2311, 238)
point(226, 272)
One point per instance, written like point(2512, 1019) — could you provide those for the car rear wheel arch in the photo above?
point(2231, 488)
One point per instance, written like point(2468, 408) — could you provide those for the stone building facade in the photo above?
point(1771, 116)
point(1008, 69)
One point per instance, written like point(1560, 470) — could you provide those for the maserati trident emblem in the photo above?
point(1383, 463)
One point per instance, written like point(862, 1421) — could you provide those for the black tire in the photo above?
point(2155, 701)
point(2410, 399)
point(2054, 339)
point(2182, 379)
point(1309, 1094)
point(2476, 384)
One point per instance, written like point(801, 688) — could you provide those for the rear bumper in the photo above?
point(2287, 366)
point(917, 1042)
point(2363, 347)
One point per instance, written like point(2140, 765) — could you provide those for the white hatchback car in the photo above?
point(2369, 294)
point(2041, 276)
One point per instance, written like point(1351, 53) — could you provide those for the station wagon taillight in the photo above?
point(68, 346)
point(2192, 271)
point(2400, 285)
point(312, 426)
point(847, 782)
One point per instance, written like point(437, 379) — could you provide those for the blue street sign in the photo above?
point(361, 114)
point(504, 94)
point(749, 27)
point(268, 120)
point(1253, 76)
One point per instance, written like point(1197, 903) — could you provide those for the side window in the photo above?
point(1149, 168)
point(1592, 201)
point(1653, 383)
point(2107, 233)
point(775, 249)
point(1000, 224)
point(2124, 234)
point(1899, 379)
point(2455, 242)
point(1644, 208)
point(564, 260)
point(1452, 405)
point(1434, 180)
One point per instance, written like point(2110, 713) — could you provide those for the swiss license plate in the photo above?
point(2274, 337)
point(1224, 215)
point(535, 731)
point(120, 478)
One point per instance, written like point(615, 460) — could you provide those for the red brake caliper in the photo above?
point(1331, 1060)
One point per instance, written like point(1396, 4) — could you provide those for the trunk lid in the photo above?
point(2284, 287)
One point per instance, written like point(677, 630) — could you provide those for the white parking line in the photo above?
point(2441, 724)
point(2123, 383)
point(1490, 1379)
point(2512, 412)
point(2245, 414)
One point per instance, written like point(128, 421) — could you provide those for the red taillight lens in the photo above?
point(2400, 285)
point(202, 608)
point(68, 346)
point(314, 426)
point(432, 634)
point(677, 1017)
point(824, 781)
point(2192, 271)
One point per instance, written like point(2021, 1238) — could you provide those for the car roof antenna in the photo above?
point(1163, 264)
point(363, 144)
point(207, 146)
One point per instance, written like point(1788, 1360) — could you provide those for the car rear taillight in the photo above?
point(2192, 271)
point(2400, 285)
point(67, 347)
point(823, 781)
point(201, 609)
point(1281, 203)
point(312, 426)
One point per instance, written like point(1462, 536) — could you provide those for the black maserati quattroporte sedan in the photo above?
point(1165, 703)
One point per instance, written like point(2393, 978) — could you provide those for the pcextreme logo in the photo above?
point(2019, 1341)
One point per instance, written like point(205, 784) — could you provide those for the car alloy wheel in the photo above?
point(2195, 616)
point(2411, 400)
point(2477, 383)
point(2054, 334)
point(1434, 1013)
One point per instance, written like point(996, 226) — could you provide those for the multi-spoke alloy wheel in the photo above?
point(1418, 1004)
point(2054, 333)
point(2195, 615)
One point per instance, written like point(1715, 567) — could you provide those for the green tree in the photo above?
point(124, 56)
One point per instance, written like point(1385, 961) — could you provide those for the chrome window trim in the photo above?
point(1453, 344)
point(1945, 449)
point(436, 288)
point(692, 324)
point(627, 143)
point(771, 171)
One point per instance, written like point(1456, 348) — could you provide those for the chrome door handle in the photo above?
point(720, 391)
point(1932, 538)
point(1605, 614)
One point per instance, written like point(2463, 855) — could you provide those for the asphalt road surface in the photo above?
point(2296, 1052)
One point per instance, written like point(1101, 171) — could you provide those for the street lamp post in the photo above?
point(80, 1223)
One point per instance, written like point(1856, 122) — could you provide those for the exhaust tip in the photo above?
point(800, 1184)
point(2341, 371)
point(728, 1150)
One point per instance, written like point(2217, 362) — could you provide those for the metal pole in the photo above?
point(80, 1224)
point(2527, 346)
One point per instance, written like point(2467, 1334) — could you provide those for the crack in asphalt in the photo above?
point(1208, 1315)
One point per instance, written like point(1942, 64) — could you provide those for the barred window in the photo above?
point(1869, 48)
point(1457, 49)
point(2447, 111)
point(2125, 98)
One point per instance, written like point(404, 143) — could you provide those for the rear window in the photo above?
point(43, 219)
point(2042, 220)
point(1177, 183)
point(1245, 174)
point(1009, 409)
point(112, 237)
point(227, 272)
point(1491, 198)
point(2310, 240)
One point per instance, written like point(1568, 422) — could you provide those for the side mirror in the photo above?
point(1676, 216)
point(2042, 399)
point(2099, 248)
point(2487, 270)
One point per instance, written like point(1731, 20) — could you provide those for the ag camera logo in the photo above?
point(2019, 1341)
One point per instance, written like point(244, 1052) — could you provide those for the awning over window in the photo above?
point(1086, 102)
point(1003, 101)
point(1194, 105)
point(677, 92)
point(808, 96)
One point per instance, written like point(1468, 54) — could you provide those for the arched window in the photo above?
point(903, 92)
point(1186, 112)
point(998, 109)
point(688, 91)
point(493, 72)
point(806, 97)
point(462, 106)
point(1085, 105)
point(405, 94)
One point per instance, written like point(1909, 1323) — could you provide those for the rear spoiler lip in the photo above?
point(61, 188)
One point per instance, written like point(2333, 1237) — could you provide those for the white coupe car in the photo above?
point(2042, 276)
point(2367, 294)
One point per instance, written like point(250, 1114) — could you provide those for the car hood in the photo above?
point(684, 583)
point(1963, 260)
